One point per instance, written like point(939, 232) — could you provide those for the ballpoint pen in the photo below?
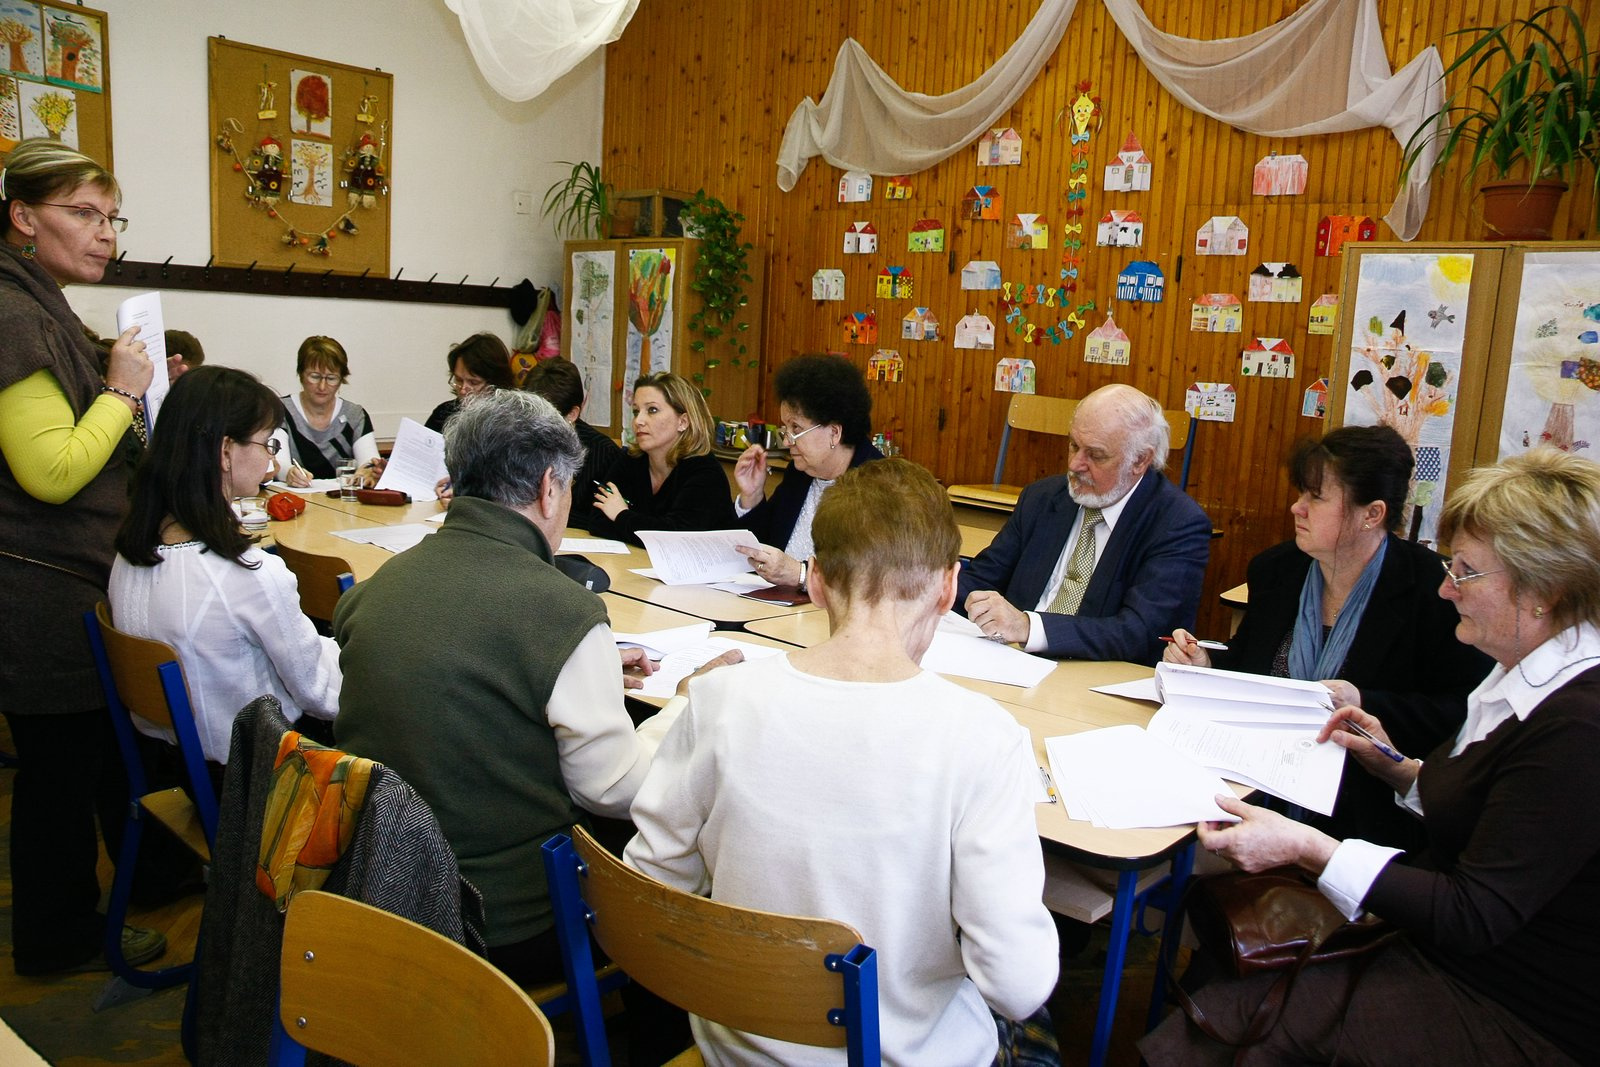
point(1215, 646)
point(1049, 785)
point(1350, 725)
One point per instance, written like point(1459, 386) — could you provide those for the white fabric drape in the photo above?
point(867, 122)
point(521, 46)
point(1321, 70)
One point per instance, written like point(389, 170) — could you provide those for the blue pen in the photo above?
point(1350, 724)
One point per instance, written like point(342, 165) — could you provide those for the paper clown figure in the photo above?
point(366, 174)
point(269, 170)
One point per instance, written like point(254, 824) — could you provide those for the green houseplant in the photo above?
point(1533, 125)
point(580, 204)
point(720, 275)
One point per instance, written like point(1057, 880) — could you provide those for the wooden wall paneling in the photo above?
point(700, 96)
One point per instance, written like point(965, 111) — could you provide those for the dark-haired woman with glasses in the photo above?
point(186, 572)
point(70, 428)
point(480, 364)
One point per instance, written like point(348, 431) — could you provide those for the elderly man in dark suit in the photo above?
point(1101, 562)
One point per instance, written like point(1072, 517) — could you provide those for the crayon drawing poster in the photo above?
point(593, 295)
point(1408, 327)
point(1553, 388)
point(21, 39)
point(650, 320)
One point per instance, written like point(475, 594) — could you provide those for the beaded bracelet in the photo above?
point(140, 430)
point(119, 392)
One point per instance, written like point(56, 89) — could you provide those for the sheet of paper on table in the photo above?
point(390, 538)
point(958, 649)
point(697, 557)
point(593, 546)
point(660, 643)
point(1286, 761)
point(1124, 779)
point(416, 463)
point(318, 485)
point(676, 666)
point(1138, 689)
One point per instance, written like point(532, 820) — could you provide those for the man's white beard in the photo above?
point(1086, 499)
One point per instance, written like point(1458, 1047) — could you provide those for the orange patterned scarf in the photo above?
point(316, 797)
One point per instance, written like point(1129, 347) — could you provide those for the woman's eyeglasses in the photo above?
point(468, 385)
point(1459, 580)
point(789, 437)
point(313, 378)
point(91, 216)
point(271, 444)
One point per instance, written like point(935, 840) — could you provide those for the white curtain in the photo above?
point(867, 122)
point(1321, 70)
point(523, 45)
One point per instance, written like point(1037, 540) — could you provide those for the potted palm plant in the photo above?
point(580, 204)
point(1531, 128)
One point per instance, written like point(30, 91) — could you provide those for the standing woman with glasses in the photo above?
point(1349, 604)
point(480, 364)
point(322, 430)
point(669, 480)
point(827, 428)
point(187, 574)
point(70, 430)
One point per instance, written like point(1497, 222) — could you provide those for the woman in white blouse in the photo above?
point(188, 575)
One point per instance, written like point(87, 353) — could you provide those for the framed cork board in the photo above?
point(55, 76)
point(299, 161)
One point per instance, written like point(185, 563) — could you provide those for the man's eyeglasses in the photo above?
point(788, 437)
point(91, 216)
point(1459, 580)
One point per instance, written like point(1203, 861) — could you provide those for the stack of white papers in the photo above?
point(659, 643)
point(959, 648)
point(318, 485)
point(1124, 779)
point(593, 546)
point(390, 538)
point(677, 665)
point(697, 557)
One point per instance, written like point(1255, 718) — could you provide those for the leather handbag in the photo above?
point(285, 506)
point(1275, 920)
point(388, 497)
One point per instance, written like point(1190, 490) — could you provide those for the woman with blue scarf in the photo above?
point(1351, 605)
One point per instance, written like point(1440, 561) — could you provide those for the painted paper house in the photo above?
point(1211, 401)
point(884, 365)
point(1324, 314)
point(981, 274)
point(1217, 313)
point(827, 284)
point(1314, 404)
point(1267, 357)
point(897, 188)
point(1029, 231)
point(1279, 175)
point(860, 239)
point(1012, 375)
point(1124, 229)
point(1131, 172)
point(927, 235)
point(894, 283)
point(1107, 343)
point(1000, 148)
point(1222, 235)
point(1334, 230)
point(981, 202)
point(1277, 283)
point(855, 187)
point(1141, 280)
point(919, 324)
point(975, 331)
point(861, 328)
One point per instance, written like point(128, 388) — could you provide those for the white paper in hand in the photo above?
point(144, 311)
point(698, 557)
point(416, 464)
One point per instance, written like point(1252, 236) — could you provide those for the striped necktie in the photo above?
point(1079, 568)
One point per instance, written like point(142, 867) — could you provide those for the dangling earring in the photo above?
point(1538, 612)
point(29, 249)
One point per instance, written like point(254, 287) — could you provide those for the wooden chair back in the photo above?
point(375, 989)
point(778, 976)
point(1040, 414)
point(135, 670)
point(322, 580)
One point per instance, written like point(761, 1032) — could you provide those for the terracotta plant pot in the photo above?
point(1518, 211)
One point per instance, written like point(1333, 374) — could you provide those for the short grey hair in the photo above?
point(1142, 420)
point(500, 444)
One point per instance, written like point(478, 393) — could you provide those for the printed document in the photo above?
point(144, 311)
point(416, 463)
point(697, 557)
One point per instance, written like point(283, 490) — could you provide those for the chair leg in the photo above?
point(117, 917)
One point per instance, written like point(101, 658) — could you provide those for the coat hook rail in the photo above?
point(329, 284)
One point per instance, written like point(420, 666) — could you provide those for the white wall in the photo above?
point(458, 152)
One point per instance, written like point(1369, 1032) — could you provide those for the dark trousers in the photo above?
point(68, 773)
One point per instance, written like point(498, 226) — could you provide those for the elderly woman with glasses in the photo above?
point(1350, 604)
point(1499, 929)
point(479, 364)
point(70, 428)
point(321, 429)
point(188, 575)
point(826, 423)
point(669, 480)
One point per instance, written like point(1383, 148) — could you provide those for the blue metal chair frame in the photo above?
point(564, 869)
point(205, 800)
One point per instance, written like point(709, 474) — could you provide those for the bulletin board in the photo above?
point(299, 161)
point(55, 76)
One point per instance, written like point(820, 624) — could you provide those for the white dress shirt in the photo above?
point(1356, 864)
point(1037, 641)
